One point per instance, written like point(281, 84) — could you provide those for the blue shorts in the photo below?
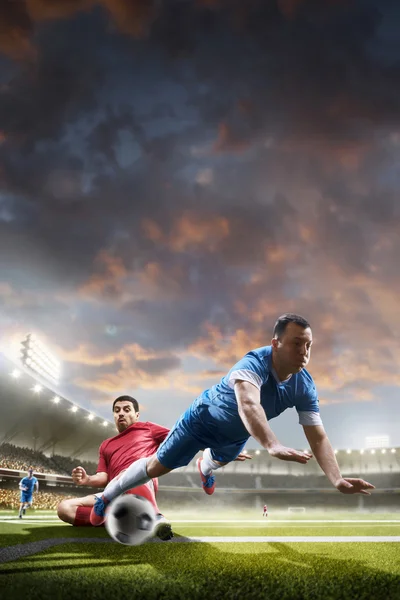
point(187, 437)
point(26, 497)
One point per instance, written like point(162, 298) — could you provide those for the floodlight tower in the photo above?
point(36, 357)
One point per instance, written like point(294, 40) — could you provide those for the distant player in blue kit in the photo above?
point(26, 485)
point(264, 383)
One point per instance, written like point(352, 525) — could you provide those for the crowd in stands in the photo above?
point(66, 464)
point(10, 499)
point(14, 457)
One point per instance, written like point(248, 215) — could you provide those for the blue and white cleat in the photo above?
point(208, 481)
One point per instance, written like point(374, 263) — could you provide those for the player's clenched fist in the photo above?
point(79, 476)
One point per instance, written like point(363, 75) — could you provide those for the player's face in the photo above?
point(294, 348)
point(124, 415)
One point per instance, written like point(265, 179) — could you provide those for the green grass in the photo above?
point(281, 571)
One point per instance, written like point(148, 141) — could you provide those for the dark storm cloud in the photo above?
point(174, 198)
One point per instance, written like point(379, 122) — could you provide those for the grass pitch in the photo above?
point(54, 560)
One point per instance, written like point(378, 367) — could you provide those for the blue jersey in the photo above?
point(29, 484)
point(217, 407)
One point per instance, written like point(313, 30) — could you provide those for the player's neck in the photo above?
point(280, 370)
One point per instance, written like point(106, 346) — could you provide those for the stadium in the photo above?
point(315, 543)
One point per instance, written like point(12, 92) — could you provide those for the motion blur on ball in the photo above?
point(131, 520)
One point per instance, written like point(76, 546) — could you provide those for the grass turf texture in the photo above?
point(357, 571)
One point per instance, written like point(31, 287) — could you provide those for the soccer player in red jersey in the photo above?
point(134, 440)
point(265, 512)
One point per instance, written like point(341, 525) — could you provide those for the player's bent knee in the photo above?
point(61, 509)
point(66, 511)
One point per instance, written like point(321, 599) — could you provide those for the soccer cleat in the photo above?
point(20, 516)
point(24, 511)
point(163, 529)
point(98, 512)
point(208, 481)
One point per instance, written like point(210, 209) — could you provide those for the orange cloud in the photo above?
point(189, 231)
point(110, 281)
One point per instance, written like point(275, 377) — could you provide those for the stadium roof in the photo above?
point(36, 421)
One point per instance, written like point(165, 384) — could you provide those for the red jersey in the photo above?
point(139, 440)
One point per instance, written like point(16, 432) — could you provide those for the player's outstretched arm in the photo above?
point(253, 416)
point(325, 455)
point(80, 477)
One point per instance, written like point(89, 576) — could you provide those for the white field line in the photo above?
point(295, 539)
point(268, 520)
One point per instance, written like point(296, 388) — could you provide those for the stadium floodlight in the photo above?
point(348, 451)
point(361, 451)
point(37, 388)
point(393, 450)
point(74, 409)
point(383, 451)
point(90, 417)
point(36, 357)
point(16, 374)
point(336, 451)
point(56, 399)
point(257, 452)
point(105, 423)
point(373, 451)
point(244, 451)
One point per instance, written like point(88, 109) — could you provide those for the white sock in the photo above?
point(135, 475)
point(208, 464)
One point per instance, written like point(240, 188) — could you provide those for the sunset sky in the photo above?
point(174, 175)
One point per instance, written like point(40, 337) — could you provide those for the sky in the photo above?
point(176, 175)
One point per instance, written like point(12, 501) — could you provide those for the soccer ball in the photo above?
point(131, 520)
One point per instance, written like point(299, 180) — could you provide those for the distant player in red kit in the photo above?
point(134, 440)
point(265, 512)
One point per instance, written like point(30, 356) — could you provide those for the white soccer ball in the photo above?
point(131, 520)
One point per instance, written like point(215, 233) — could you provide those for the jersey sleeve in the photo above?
point(158, 432)
point(102, 466)
point(250, 368)
point(308, 407)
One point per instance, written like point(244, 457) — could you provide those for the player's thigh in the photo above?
point(179, 447)
point(228, 453)
point(83, 501)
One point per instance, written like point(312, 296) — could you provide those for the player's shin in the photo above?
point(135, 475)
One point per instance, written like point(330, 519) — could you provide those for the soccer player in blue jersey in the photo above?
point(258, 388)
point(27, 485)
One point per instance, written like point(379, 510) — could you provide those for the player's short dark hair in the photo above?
point(127, 399)
point(284, 320)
